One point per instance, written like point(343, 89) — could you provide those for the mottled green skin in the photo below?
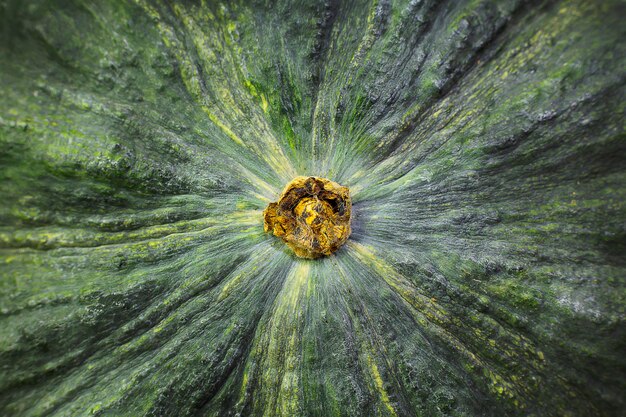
point(484, 145)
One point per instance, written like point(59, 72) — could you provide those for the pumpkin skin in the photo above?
point(483, 146)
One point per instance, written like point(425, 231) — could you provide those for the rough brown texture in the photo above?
point(312, 216)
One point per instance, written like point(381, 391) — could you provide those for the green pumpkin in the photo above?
point(483, 144)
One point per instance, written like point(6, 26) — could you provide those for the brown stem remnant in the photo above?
point(312, 216)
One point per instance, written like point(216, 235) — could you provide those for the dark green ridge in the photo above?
point(483, 143)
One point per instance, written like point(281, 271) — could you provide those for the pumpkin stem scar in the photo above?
point(312, 216)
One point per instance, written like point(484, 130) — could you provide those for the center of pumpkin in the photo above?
point(312, 216)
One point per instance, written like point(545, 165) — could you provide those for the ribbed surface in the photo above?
point(483, 143)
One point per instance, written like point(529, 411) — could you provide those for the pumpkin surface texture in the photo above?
point(468, 225)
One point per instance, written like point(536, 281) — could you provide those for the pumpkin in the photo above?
point(482, 143)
